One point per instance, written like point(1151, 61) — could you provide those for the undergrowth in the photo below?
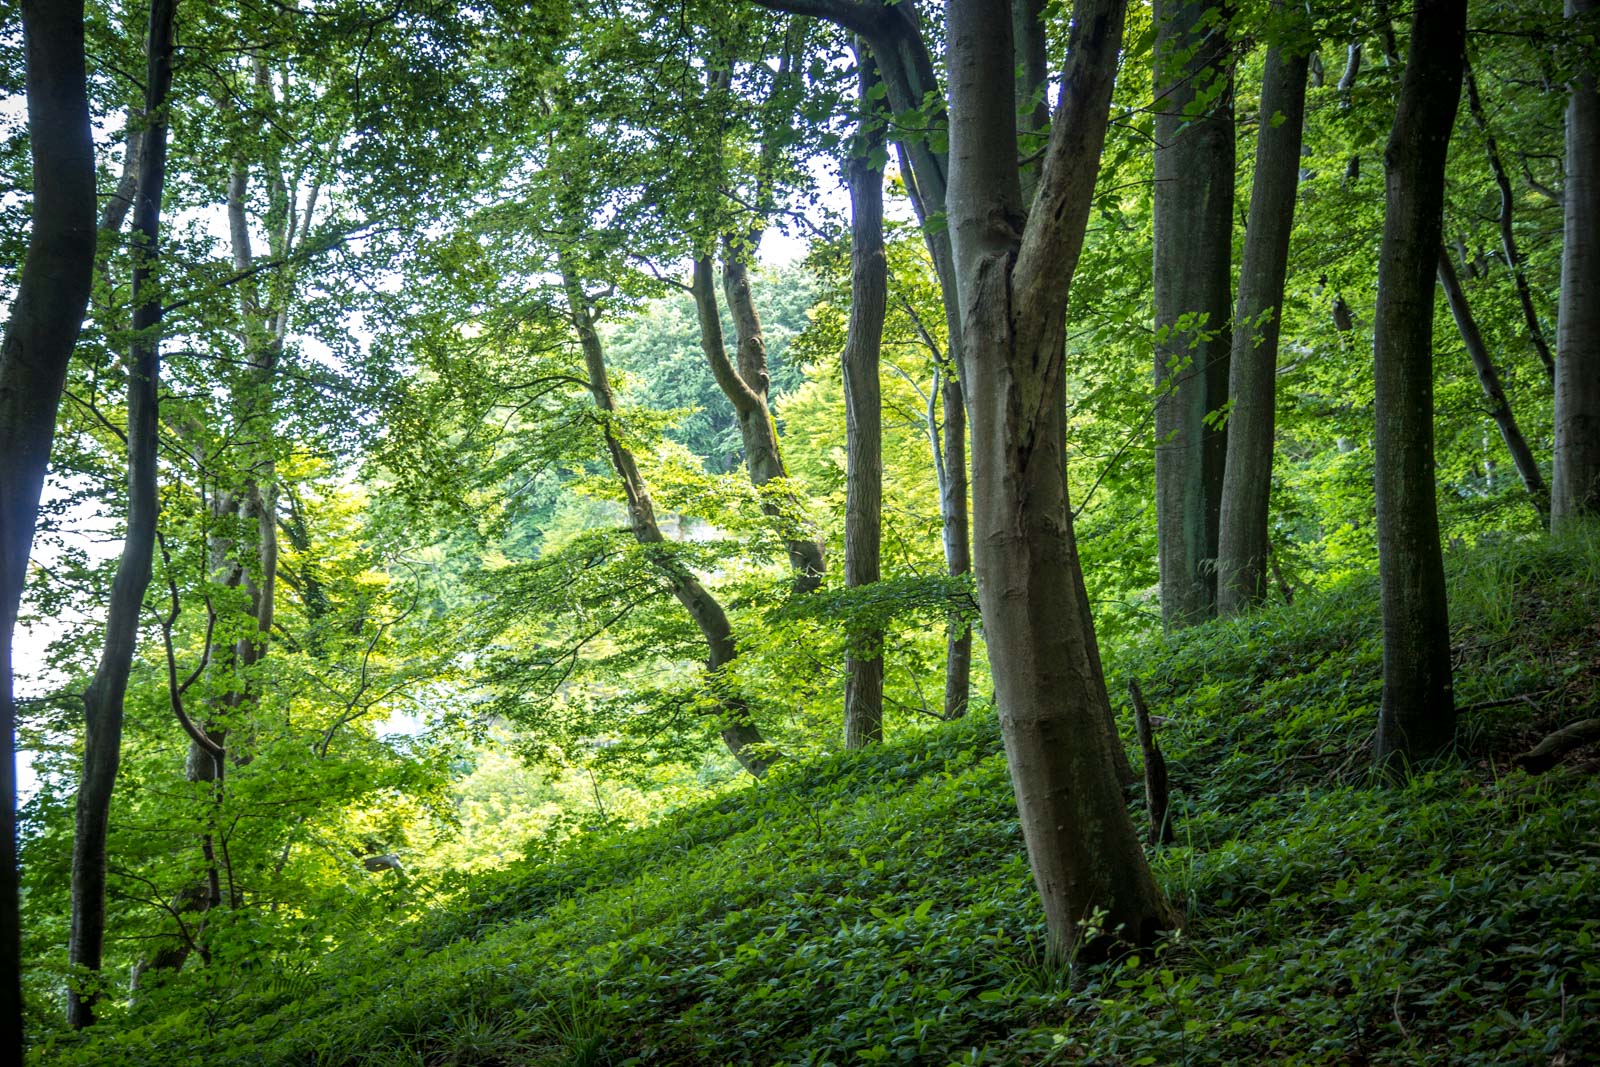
point(876, 907)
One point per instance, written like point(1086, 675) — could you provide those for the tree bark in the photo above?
point(738, 729)
point(1575, 481)
point(1417, 718)
point(1014, 280)
point(1499, 407)
point(1253, 365)
point(103, 701)
point(46, 316)
point(863, 413)
point(1194, 177)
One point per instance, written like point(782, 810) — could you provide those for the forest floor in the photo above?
point(877, 907)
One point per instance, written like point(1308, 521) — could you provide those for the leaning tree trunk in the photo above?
point(1194, 162)
point(1014, 278)
point(1508, 233)
point(745, 385)
point(103, 701)
point(863, 415)
point(46, 316)
point(1253, 370)
point(1499, 407)
point(738, 728)
point(1417, 718)
point(1575, 489)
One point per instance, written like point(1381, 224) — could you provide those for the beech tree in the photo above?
point(46, 315)
point(863, 682)
point(1194, 160)
point(1417, 717)
point(1015, 264)
point(103, 702)
point(1575, 481)
point(1242, 542)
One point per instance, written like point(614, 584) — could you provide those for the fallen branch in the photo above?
point(1543, 756)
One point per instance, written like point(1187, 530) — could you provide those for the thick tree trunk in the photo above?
point(738, 729)
point(1575, 488)
point(1493, 391)
point(1194, 177)
point(863, 414)
point(46, 316)
point(1253, 366)
point(1417, 718)
point(1014, 280)
point(103, 701)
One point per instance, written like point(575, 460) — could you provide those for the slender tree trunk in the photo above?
point(893, 32)
point(1575, 489)
point(1493, 391)
point(1194, 178)
point(1418, 711)
point(738, 728)
point(1508, 234)
point(1014, 280)
point(957, 546)
point(47, 314)
point(1253, 367)
point(745, 386)
point(103, 701)
point(863, 413)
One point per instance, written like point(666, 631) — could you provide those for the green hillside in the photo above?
point(876, 906)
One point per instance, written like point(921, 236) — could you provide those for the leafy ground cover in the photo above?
point(876, 907)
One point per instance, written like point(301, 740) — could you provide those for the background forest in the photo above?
point(503, 590)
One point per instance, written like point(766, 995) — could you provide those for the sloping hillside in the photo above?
point(877, 907)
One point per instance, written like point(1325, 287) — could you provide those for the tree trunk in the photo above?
point(1575, 488)
point(1493, 391)
point(893, 32)
point(957, 546)
point(103, 701)
point(47, 314)
point(863, 414)
point(1417, 718)
point(1253, 367)
point(1508, 234)
point(745, 386)
point(1194, 164)
point(738, 729)
point(1014, 280)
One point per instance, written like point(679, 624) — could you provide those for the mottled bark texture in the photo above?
point(46, 316)
point(1575, 481)
point(863, 414)
point(1014, 280)
point(738, 729)
point(1193, 283)
point(103, 701)
point(1493, 392)
point(1417, 718)
point(1242, 542)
